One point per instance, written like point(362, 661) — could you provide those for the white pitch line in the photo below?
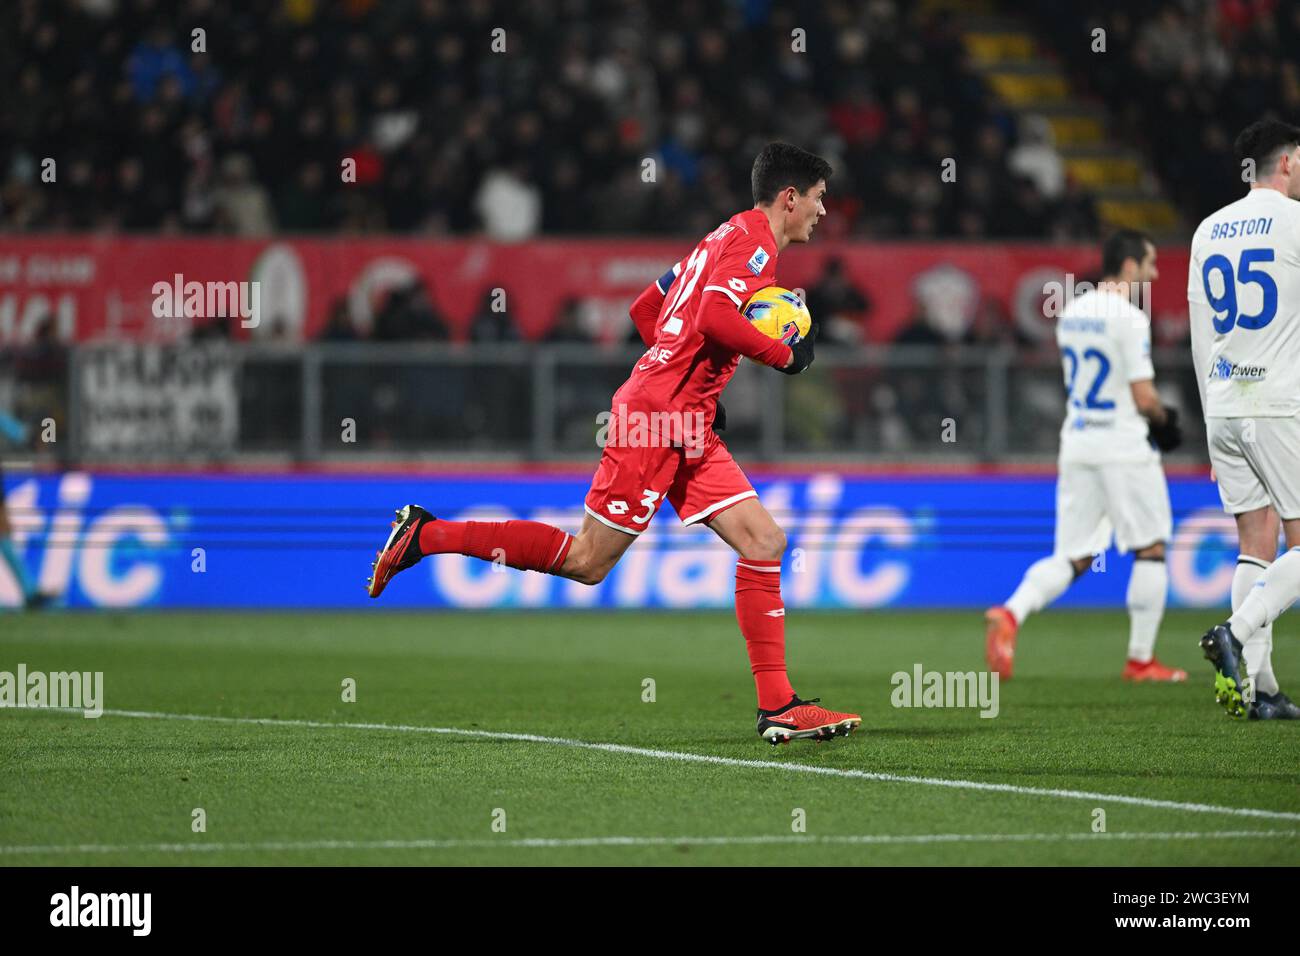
point(870, 839)
point(686, 757)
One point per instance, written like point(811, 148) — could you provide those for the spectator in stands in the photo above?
point(339, 327)
point(1075, 215)
point(840, 306)
point(241, 203)
point(493, 322)
point(1191, 65)
point(992, 326)
point(305, 205)
point(569, 326)
point(155, 59)
point(509, 205)
point(409, 315)
point(449, 136)
point(1035, 157)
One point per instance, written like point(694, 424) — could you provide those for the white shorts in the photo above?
point(1256, 463)
point(1093, 501)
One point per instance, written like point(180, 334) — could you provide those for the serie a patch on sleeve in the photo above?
point(757, 260)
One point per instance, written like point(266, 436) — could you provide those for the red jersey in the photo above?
point(700, 332)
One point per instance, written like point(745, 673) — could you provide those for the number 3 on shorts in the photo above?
point(649, 499)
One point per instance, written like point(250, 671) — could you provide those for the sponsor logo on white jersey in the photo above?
point(1226, 369)
point(1243, 301)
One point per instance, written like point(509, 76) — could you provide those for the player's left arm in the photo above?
point(645, 310)
point(1135, 343)
point(1162, 420)
point(740, 270)
point(720, 322)
point(1132, 333)
point(1147, 400)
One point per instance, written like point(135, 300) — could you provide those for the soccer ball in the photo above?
point(779, 314)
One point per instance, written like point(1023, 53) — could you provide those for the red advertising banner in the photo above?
point(158, 289)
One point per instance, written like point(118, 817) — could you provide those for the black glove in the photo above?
point(1168, 436)
point(720, 419)
point(803, 351)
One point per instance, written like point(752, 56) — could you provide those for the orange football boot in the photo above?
point(1153, 670)
point(1000, 629)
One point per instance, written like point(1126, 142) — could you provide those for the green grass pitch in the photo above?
point(122, 789)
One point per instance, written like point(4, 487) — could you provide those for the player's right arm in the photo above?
point(1198, 317)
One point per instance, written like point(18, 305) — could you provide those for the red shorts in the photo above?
point(631, 483)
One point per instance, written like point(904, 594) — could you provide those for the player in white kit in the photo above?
point(1110, 479)
point(1243, 298)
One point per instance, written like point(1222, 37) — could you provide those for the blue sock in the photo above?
point(16, 565)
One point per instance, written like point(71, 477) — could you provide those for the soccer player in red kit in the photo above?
point(692, 324)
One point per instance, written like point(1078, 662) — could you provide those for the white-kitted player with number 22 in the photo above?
point(1243, 297)
point(1110, 482)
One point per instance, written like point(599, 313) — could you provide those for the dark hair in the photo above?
point(1123, 244)
point(779, 165)
point(1261, 141)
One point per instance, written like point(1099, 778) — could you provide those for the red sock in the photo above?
point(762, 621)
point(527, 545)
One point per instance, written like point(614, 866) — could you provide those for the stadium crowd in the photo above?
point(1205, 67)
point(244, 128)
point(449, 137)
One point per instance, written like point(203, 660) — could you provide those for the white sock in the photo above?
point(1258, 648)
point(1044, 582)
point(1147, 586)
point(1274, 592)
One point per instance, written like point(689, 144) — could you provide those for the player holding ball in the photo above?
point(693, 321)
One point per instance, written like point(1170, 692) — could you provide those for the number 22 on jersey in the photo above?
point(1090, 400)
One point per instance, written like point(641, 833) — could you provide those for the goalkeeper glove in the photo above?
point(802, 351)
point(1169, 435)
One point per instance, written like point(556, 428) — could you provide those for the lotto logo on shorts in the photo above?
point(617, 507)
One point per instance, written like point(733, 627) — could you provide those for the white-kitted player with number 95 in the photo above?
point(1243, 298)
point(1110, 482)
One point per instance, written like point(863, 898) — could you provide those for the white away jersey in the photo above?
point(1243, 302)
point(1105, 344)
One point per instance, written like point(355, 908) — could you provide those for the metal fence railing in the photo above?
point(353, 402)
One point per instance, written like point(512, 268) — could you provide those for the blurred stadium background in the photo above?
point(445, 236)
